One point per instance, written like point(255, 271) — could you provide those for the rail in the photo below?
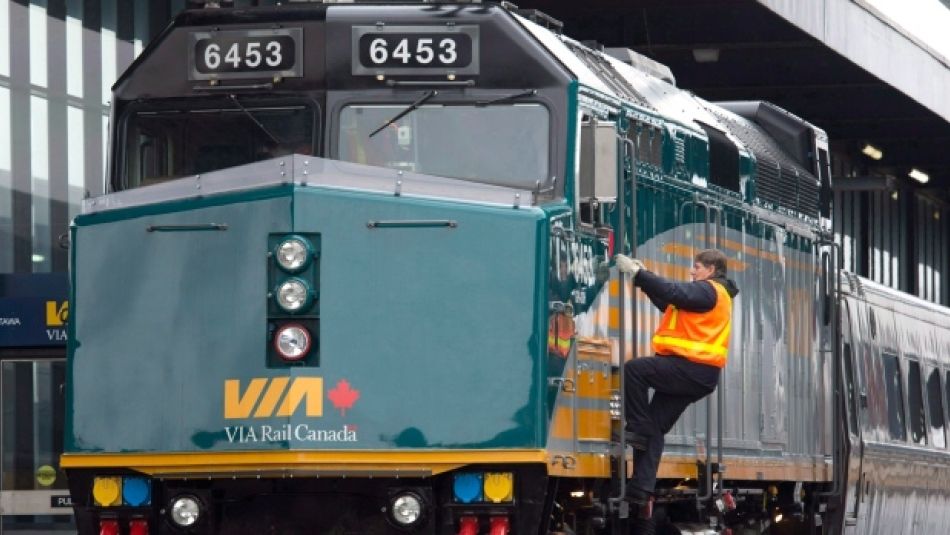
point(619, 501)
point(839, 417)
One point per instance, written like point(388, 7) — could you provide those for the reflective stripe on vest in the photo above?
point(701, 337)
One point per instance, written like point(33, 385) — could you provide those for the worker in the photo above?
point(690, 349)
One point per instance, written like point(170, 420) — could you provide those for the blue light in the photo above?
point(468, 488)
point(136, 491)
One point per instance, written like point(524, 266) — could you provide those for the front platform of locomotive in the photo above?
point(315, 300)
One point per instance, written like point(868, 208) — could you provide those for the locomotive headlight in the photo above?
point(293, 254)
point(293, 295)
point(292, 342)
point(406, 509)
point(185, 511)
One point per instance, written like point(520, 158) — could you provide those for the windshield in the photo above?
point(162, 145)
point(505, 145)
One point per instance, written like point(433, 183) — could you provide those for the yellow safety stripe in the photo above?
point(675, 314)
point(563, 343)
point(723, 336)
point(690, 345)
point(432, 461)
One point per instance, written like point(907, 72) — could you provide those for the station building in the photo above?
point(58, 61)
point(866, 75)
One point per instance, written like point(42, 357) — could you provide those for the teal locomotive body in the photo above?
point(352, 277)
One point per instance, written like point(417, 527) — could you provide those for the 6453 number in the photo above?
point(425, 52)
point(238, 52)
point(252, 55)
point(415, 51)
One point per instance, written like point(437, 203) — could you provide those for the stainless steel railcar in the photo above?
point(896, 373)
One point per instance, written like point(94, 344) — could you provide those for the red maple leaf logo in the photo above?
point(343, 396)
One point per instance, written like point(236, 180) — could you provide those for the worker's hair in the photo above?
point(713, 258)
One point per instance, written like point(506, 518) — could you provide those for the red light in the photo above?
point(288, 351)
point(138, 527)
point(108, 527)
point(468, 525)
point(499, 526)
point(610, 244)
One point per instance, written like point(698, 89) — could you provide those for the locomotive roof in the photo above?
point(516, 60)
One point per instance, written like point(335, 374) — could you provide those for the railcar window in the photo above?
point(895, 397)
point(167, 144)
point(935, 404)
point(506, 145)
point(915, 402)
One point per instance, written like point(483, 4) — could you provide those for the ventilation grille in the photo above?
point(679, 147)
point(780, 180)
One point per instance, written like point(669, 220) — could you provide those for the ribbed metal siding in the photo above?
point(780, 180)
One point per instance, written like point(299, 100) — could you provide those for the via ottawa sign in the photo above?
point(33, 310)
point(32, 322)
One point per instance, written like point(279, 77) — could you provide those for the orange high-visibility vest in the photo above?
point(560, 333)
point(701, 337)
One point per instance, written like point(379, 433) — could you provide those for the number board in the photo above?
point(246, 54)
point(415, 50)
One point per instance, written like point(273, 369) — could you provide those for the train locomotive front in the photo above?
point(267, 340)
point(350, 278)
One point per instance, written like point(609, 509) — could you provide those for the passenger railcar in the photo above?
point(348, 279)
point(896, 376)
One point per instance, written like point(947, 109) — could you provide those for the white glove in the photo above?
point(628, 265)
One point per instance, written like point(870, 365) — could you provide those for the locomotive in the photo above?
point(351, 276)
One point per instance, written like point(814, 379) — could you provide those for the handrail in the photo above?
point(620, 238)
point(619, 241)
point(708, 492)
point(839, 417)
point(720, 387)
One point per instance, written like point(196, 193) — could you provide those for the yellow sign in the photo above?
point(265, 394)
point(56, 313)
point(45, 475)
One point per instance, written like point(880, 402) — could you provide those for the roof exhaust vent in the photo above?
point(540, 18)
point(642, 63)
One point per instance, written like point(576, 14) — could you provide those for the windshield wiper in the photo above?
point(258, 123)
point(513, 96)
point(412, 107)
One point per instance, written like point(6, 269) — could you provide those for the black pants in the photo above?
point(677, 383)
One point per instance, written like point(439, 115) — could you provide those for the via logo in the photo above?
point(265, 396)
point(57, 313)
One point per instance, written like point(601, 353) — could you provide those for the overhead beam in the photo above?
point(726, 45)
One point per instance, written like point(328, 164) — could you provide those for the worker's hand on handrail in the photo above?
point(628, 265)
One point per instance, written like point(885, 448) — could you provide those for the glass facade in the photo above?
point(58, 60)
